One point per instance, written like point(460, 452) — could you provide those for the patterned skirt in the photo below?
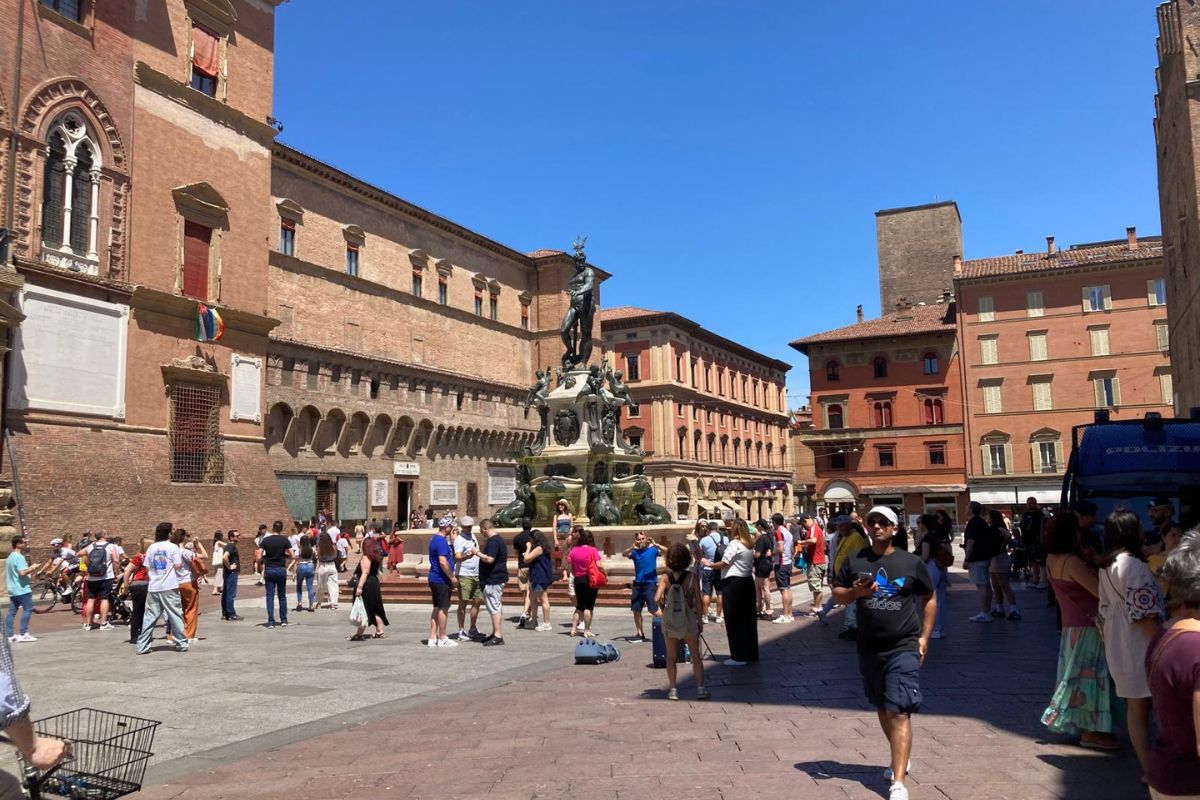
point(1082, 700)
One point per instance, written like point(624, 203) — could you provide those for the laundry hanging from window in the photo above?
point(204, 60)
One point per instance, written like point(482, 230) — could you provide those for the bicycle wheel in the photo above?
point(77, 600)
point(48, 598)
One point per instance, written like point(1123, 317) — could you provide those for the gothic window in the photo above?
point(71, 188)
point(880, 365)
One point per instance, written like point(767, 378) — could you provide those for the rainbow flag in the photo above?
point(209, 325)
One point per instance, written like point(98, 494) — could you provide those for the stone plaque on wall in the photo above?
point(245, 395)
point(379, 494)
point(502, 485)
point(443, 493)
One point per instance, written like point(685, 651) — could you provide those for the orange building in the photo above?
point(887, 412)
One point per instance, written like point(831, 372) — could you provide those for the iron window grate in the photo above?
point(197, 455)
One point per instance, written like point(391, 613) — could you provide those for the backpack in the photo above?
point(678, 618)
point(590, 651)
point(97, 563)
point(720, 551)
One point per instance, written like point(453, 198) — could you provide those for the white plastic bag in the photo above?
point(358, 613)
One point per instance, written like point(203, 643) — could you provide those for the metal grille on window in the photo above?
point(195, 437)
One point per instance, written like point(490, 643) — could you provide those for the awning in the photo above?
point(838, 493)
point(707, 505)
point(734, 507)
point(1014, 496)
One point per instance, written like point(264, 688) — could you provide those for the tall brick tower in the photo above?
point(917, 246)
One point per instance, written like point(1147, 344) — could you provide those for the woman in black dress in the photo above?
point(365, 584)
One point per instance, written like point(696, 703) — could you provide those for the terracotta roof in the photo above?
point(936, 318)
point(1081, 255)
point(543, 253)
point(625, 312)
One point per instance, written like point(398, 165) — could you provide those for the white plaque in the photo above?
point(502, 485)
point(406, 468)
point(246, 394)
point(69, 354)
point(379, 494)
point(443, 493)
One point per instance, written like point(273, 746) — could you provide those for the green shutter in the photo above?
point(300, 494)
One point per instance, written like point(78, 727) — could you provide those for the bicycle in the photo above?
point(52, 593)
point(106, 758)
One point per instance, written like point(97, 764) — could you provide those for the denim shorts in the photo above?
point(710, 582)
point(643, 596)
point(783, 577)
point(893, 682)
point(978, 570)
point(539, 587)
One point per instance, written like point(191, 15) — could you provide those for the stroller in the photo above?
point(119, 609)
point(1020, 559)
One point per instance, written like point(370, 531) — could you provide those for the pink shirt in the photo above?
point(581, 558)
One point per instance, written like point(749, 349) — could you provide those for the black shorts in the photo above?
point(762, 569)
point(783, 577)
point(710, 582)
point(101, 588)
point(893, 682)
point(441, 595)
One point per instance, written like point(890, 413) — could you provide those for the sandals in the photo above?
point(356, 638)
point(377, 636)
point(589, 635)
point(312, 608)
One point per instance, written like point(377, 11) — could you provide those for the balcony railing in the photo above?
point(68, 261)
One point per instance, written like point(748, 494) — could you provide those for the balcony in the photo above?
point(68, 261)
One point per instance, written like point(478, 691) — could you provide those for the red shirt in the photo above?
point(815, 553)
point(139, 568)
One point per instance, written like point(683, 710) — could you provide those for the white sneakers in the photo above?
point(107, 627)
point(888, 774)
point(719, 620)
point(24, 637)
point(980, 617)
point(897, 792)
point(783, 620)
point(447, 643)
point(545, 626)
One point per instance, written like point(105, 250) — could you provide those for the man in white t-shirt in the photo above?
point(466, 566)
point(258, 570)
point(784, 543)
point(164, 562)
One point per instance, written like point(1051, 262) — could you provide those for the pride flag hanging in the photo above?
point(209, 325)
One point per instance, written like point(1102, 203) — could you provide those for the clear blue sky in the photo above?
point(726, 158)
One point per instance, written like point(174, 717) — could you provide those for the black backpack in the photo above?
point(719, 555)
point(98, 561)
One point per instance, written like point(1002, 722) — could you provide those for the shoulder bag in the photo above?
point(597, 579)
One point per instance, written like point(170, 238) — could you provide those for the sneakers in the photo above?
point(1014, 615)
point(719, 620)
point(783, 620)
point(87, 626)
point(545, 626)
point(494, 642)
point(521, 620)
point(283, 624)
point(432, 643)
point(702, 694)
point(733, 662)
point(462, 636)
point(897, 792)
point(980, 617)
point(107, 627)
point(581, 626)
point(24, 637)
point(447, 643)
point(672, 694)
point(888, 774)
point(997, 613)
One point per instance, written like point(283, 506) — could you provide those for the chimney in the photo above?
point(859, 312)
point(904, 309)
point(1020, 252)
point(1050, 248)
point(958, 265)
point(945, 298)
point(1131, 235)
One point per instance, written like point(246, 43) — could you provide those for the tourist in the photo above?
point(441, 579)
point(1162, 514)
point(1081, 704)
point(327, 574)
point(102, 566)
point(1132, 609)
point(395, 551)
point(1171, 538)
point(164, 561)
point(20, 591)
point(342, 542)
point(520, 545)
point(493, 574)
point(644, 553)
point(192, 566)
point(764, 562)
point(900, 539)
point(1032, 523)
point(304, 567)
point(364, 585)
point(1171, 661)
point(851, 539)
point(466, 566)
point(218, 558)
point(736, 563)
point(137, 583)
point(712, 545)
point(932, 547)
point(272, 554)
point(581, 559)
point(416, 520)
point(258, 568)
point(64, 565)
point(562, 522)
point(677, 604)
point(564, 553)
point(231, 567)
point(893, 633)
point(783, 568)
point(359, 535)
point(541, 575)
point(1004, 602)
point(813, 541)
point(981, 544)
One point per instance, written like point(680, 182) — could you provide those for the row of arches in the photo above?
point(722, 450)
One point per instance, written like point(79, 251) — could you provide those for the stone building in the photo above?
point(804, 464)
point(1178, 150)
point(916, 246)
point(398, 374)
point(1047, 338)
point(119, 416)
point(712, 414)
point(888, 412)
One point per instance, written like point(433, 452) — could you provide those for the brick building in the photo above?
point(713, 416)
point(1046, 339)
point(1177, 148)
point(120, 417)
point(916, 246)
point(406, 346)
point(887, 411)
point(804, 464)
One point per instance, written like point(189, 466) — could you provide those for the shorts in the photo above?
point(893, 682)
point(978, 571)
point(762, 569)
point(1034, 552)
point(783, 577)
point(710, 583)
point(1001, 565)
point(441, 596)
point(585, 595)
point(493, 596)
point(468, 588)
point(539, 587)
point(643, 597)
point(100, 588)
point(816, 577)
point(523, 579)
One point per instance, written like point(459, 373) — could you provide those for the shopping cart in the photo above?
point(108, 755)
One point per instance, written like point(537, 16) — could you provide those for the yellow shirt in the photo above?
point(1155, 562)
point(849, 544)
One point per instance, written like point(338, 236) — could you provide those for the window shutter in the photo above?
point(1116, 384)
point(1168, 390)
point(196, 241)
point(53, 188)
point(1008, 459)
point(1035, 457)
point(1086, 307)
point(986, 452)
point(1162, 335)
point(1098, 392)
point(1107, 298)
point(1151, 294)
point(1037, 347)
point(1058, 457)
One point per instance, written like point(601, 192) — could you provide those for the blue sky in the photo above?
point(726, 158)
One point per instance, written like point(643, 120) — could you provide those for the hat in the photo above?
point(884, 512)
point(1163, 501)
point(1085, 507)
point(842, 519)
point(55, 542)
point(466, 522)
point(446, 522)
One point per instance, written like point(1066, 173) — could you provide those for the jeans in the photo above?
point(159, 604)
point(940, 579)
point(229, 594)
point(137, 594)
point(327, 580)
point(304, 575)
point(276, 580)
point(25, 603)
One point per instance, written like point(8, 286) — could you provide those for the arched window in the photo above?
point(882, 413)
point(930, 362)
point(933, 411)
point(836, 418)
point(682, 444)
point(880, 364)
point(833, 371)
point(71, 188)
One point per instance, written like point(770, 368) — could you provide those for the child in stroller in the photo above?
point(1020, 559)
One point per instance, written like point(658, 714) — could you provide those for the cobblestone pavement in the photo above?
point(534, 726)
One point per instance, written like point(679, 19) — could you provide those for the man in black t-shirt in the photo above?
point(896, 609)
point(520, 544)
point(764, 555)
point(231, 564)
point(980, 548)
point(493, 574)
point(272, 554)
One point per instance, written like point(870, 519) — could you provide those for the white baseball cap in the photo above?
point(884, 512)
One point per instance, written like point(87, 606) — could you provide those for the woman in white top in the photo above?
point(218, 549)
point(737, 578)
point(1131, 610)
